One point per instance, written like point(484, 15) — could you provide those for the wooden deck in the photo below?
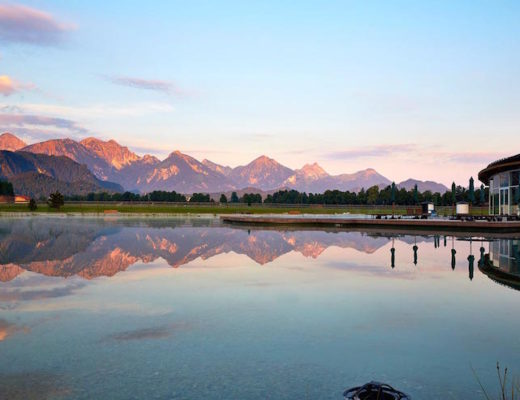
point(440, 225)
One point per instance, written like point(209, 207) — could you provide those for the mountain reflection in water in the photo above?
point(253, 313)
point(91, 248)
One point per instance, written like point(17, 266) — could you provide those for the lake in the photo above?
point(187, 308)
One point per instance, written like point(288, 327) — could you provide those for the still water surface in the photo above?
point(191, 309)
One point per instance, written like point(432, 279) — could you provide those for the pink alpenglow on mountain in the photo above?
point(110, 161)
point(76, 152)
point(10, 142)
point(224, 170)
point(263, 173)
point(112, 152)
point(183, 174)
point(306, 176)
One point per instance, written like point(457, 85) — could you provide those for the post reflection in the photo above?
point(453, 253)
point(471, 260)
point(392, 252)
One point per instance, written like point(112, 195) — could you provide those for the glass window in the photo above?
point(504, 198)
point(504, 201)
point(494, 246)
point(504, 247)
point(496, 205)
point(495, 184)
point(504, 180)
point(514, 194)
point(515, 178)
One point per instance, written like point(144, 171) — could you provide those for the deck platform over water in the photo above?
point(438, 224)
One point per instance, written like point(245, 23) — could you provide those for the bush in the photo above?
point(56, 200)
point(200, 198)
point(250, 198)
point(32, 205)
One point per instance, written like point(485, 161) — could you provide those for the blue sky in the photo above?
point(423, 89)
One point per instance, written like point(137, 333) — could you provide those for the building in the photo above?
point(17, 199)
point(503, 178)
point(5, 199)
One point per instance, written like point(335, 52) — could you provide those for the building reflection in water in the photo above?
point(504, 254)
point(502, 263)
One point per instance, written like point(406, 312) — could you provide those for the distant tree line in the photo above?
point(376, 196)
point(164, 196)
point(371, 196)
point(156, 196)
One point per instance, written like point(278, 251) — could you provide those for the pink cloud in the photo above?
point(9, 86)
point(24, 24)
point(413, 151)
point(479, 158)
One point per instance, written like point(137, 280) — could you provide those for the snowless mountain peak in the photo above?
point(10, 142)
point(112, 152)
point(313, 169)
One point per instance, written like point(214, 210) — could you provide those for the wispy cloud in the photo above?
point(14, 121)
point(9, 86)
point(6, 108)
point(371, 151)
point(432, 153)
point(18, 294)
point(479, 158)
point(22, 24)
point(43, 121)
point(92, 111)
point(166, 87)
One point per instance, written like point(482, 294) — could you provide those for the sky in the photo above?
point(428, 90)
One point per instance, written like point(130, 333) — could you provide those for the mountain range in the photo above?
point(38, 174)
point(108, 161)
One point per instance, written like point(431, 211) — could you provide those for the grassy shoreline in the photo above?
point(167, 209)
point(158, 208)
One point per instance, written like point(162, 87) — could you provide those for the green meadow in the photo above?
point(212, 208)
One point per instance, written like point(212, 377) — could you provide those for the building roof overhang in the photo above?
point(503, 165)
